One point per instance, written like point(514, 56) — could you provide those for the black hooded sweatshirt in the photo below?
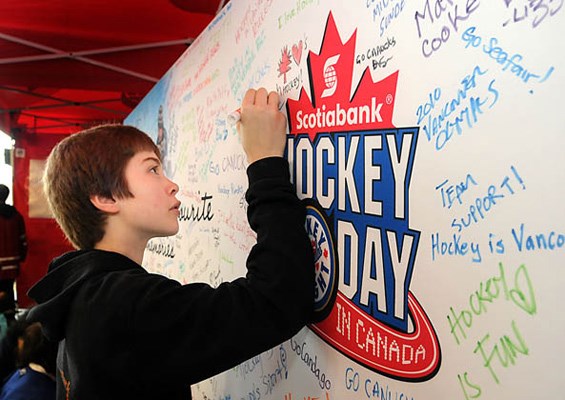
point(125, 333)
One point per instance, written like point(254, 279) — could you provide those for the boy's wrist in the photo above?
point(268, 167)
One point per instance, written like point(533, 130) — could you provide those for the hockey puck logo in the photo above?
point(325, 262)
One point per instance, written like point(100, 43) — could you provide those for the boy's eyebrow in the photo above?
point(155, 159)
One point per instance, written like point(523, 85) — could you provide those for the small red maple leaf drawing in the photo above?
point(284, 63)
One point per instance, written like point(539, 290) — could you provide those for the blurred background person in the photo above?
point(13, 250)
point(36, 361)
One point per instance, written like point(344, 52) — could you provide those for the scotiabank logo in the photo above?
point(355, 168)
point(330, 77)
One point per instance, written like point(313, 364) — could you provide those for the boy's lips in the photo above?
point(176, 206)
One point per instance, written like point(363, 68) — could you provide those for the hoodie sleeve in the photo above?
point(196, 331)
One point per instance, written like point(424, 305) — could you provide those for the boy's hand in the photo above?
point(262, 126)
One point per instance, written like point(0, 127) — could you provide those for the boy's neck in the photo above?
point(118, 238)
point(133, 251)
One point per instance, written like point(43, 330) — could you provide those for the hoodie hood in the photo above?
point(55, 293)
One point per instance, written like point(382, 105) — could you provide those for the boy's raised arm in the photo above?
point(262, 125)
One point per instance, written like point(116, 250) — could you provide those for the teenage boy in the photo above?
point(125, 333)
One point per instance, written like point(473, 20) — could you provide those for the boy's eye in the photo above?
point(155, 170)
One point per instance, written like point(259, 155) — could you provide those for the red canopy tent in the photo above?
point(67, 65)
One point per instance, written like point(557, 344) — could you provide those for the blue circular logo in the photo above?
point(325, 260)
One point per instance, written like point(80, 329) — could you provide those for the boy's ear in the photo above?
point(105, 204)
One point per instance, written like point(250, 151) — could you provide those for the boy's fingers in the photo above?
point(249, 98)
point(273, 100)
point(261, 96)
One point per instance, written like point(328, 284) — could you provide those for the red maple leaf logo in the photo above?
point(331, 74)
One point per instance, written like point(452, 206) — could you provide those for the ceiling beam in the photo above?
point(80, 55)
point(67, 121)
point(74, 54)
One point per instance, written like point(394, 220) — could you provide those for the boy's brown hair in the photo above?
point(91, 162)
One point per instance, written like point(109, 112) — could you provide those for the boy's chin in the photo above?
point(168, 233)
point(172, 233)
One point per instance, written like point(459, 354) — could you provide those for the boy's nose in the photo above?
point(174, 187)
